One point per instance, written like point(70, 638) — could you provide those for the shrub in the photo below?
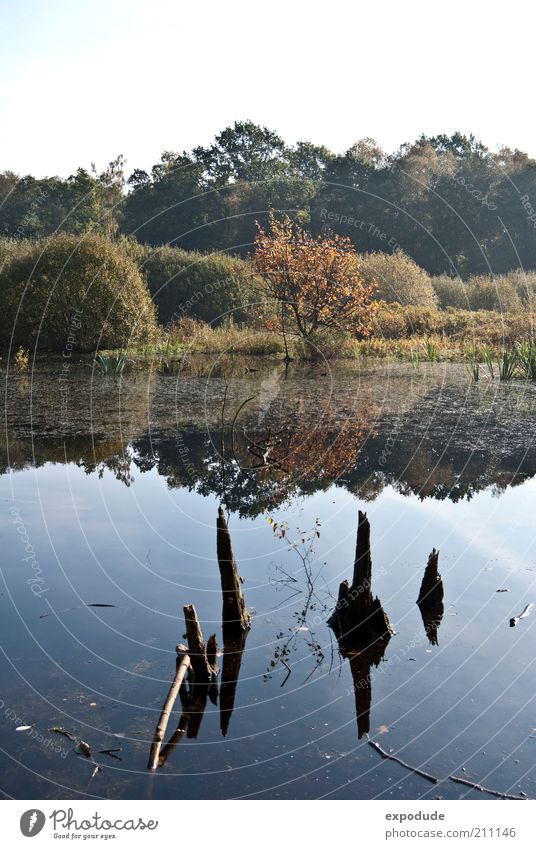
point(203, 286)
point(399, 279)
point(502, 293)
point(493, 293)
point(76, 293)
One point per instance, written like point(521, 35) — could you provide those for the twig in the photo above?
point(434, 780)
point(284, 662)
point(390, 757)
point(485, 789)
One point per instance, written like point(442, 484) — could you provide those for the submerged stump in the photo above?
point(430, 598)
point(359, 619)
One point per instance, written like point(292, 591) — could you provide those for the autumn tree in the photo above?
point(316, 283)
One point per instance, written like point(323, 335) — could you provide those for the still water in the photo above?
point(110, 492)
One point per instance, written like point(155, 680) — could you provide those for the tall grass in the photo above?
point(110, 365)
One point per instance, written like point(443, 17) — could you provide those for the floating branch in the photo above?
point(389, 756)
point(435, 780)
point(182, 667)
point(234, 614)
point(523, 615)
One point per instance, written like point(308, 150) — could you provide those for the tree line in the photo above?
point(450, 203)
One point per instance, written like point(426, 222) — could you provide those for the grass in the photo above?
point(407, 334)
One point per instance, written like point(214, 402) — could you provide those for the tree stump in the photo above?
point(430, 598)
point(359, 619)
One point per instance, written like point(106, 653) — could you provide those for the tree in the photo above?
point(315, 282)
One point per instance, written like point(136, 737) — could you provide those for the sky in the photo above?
point(82, 81)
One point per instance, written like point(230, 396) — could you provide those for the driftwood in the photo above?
point(235, 617)
point(435, 780)
point(359, 619)
point(430, 598)
point(182, 667)
point(523, 615)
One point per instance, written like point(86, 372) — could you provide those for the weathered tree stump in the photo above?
point(430, 598)
point(235, 617)
point(431, 591)
point(196, 646)
point(359, 619)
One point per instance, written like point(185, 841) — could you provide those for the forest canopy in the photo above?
point(447, 202)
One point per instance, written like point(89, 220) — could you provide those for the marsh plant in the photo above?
point(526, 353)
point(473, 364)
point(110, 365)
point(21, 359)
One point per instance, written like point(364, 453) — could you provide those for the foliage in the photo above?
point(69, 294)
point(21, 359)
point(315, 282)
point(399, 279)
point(205, 287)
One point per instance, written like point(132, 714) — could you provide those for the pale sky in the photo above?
point(85, 80)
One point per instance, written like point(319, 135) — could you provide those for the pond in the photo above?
point(110, 492)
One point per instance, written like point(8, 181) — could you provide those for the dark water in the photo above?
point(110, 491)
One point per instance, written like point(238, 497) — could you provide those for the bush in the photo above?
point(81, 293)
point(509, 292)
point(399, 279)
point(204, 286)
point(493, 293)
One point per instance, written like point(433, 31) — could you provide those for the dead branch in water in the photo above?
point(435, 780)
point(183, 665)
point(389, 756)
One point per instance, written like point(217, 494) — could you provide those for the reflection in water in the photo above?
point(233, 649)
point(361, 625)
point(430, 599)
point(358, 429)
point(360, 665)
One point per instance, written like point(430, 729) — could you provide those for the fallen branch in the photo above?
point(414, 769)
point(434, 780)
point(183, 665)
point(479, 787)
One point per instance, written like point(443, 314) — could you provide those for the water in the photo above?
point(110, 491)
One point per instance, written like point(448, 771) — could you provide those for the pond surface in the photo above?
point(110, 493)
